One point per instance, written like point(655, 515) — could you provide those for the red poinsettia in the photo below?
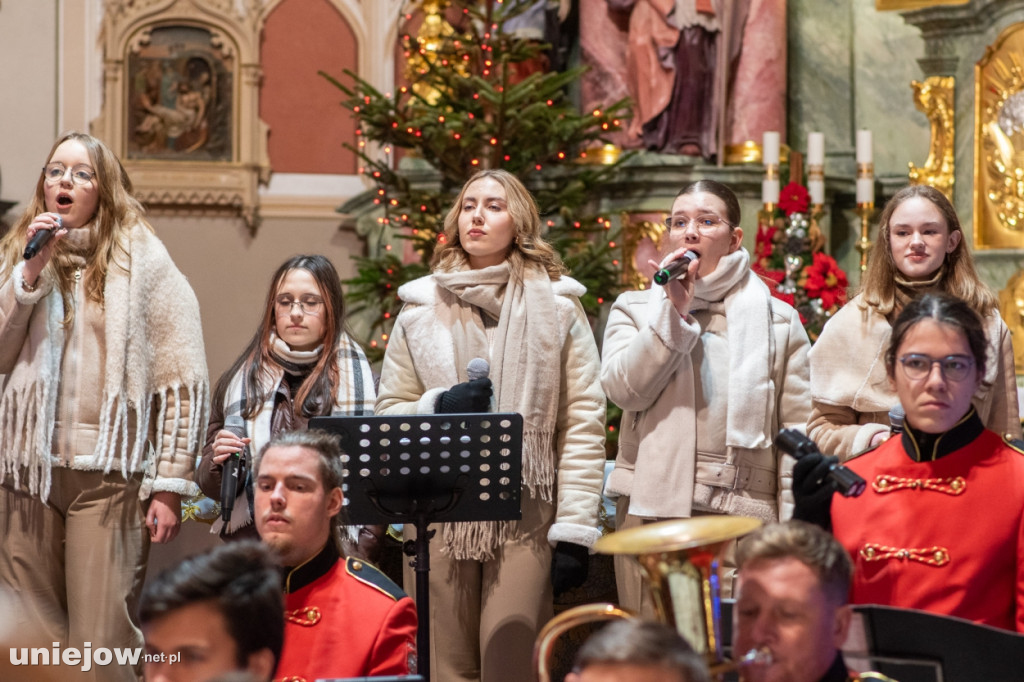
point(793, 198)
point(763, 242)
point(825, 280)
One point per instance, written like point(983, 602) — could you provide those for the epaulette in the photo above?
point(370, 575)
point(1015, 443)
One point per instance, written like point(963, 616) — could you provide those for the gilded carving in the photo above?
point(934, 98)
point(999, 143)
point(640, 242)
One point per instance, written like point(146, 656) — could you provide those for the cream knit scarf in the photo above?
point(524, 360)
point(154, 349)
point(750, 389)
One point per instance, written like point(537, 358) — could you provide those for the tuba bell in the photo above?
point(679, 560)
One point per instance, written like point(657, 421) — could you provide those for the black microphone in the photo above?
point(39, 240)
point(796, 444)
point(896, 417)
point(235, 465)
point(675, 269)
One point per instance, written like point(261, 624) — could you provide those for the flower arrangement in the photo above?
point(788, 256)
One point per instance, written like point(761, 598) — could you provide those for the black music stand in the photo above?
point(424, 469)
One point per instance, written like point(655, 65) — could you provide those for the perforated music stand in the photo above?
point(424, 469)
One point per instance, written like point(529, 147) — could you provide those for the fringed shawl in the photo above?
point(154, 360)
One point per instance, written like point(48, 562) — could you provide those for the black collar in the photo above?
point(837, 672)
point(927, 447)
point(297, 577)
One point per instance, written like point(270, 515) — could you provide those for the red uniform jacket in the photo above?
point(945, 536)
point(345, 619)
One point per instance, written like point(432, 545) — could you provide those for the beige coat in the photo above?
point(638, 374)
point(850, 390)
point(419, 366)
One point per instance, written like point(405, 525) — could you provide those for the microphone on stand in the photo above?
point(675, 270)
point(896, 417)
point(234, 471)
point(39, 240)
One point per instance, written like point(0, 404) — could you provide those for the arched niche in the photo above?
point(180, 105)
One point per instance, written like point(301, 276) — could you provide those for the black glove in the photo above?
point(471, 396)
point(812, 489)
point(569, 566)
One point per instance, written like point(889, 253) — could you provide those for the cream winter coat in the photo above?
point(644, 335)
point(420, 365)
point(850, 390)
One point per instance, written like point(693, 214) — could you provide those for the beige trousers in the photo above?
point(634, 593)
point(485, 615)
point(77, 564)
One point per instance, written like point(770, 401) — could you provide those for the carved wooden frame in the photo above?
point(182, 183)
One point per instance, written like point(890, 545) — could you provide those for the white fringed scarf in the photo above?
point(525, 361)
point(154, 349)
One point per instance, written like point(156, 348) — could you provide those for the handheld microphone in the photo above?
point(39, 240)
point(896, 417)
point(478, 368)
point(675, 269)
point(234, 471)
point(796, 444)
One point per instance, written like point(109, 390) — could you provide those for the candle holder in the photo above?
point(866, 211)
point(767, 214)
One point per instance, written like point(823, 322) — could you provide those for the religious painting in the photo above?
point(999, 143)
point(180, 104)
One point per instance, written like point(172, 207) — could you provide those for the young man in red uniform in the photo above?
point(343, 617)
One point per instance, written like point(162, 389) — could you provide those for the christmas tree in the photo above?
point(476, 99)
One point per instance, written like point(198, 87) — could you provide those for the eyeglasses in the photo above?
point(707, 223)
point(953, 367)
point(80, 174)
point(309, 305)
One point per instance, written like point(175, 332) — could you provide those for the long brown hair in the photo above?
point(528, 247)
point(960, 279)
point(116, 212)
point(316, 394)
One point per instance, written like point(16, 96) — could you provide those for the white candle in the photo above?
point(864, 146)
point(865, 190)
point(816, 149)
point(770, 148)
point(816, 189)
point(770, 191)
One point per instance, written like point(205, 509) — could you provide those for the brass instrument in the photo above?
point(679, 560)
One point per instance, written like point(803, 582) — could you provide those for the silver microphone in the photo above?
point(676, 269)
point(896, 417)
point(478, 368)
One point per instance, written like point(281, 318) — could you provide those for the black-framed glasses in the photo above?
point(953, 367)
point(80, 174)
point(309, 305)
point(706, 223)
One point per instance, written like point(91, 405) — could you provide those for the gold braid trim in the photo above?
point(308, 616)
point(932, 556)
point(889, 484)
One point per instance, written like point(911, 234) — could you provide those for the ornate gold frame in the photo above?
point(999, 142)
point(934, 98)
point(182, 183)
point(883, 5)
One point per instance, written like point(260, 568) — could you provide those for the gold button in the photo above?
point(883, 482)
point(940, 556)
point(869, 552)
point(357, 565)
point(957, 485)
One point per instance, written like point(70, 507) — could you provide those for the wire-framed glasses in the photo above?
point(953, 367)
point(80, 174)
point(309, 305)
point(707, 223)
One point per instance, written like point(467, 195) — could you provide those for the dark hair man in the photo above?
point(344, 618)
point(637, 651)
point(794, 580)
point(214, 613)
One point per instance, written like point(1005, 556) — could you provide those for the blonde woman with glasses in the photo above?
point(103, 402)
point(707, 369)
point(300, 363)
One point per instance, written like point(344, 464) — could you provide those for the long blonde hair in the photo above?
point(960, 278)
point(528, 247)
point(116, 211)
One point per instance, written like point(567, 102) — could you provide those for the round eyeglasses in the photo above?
point(706, 223)
point(308, 306)
point(80, 174)
point(953, 367)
